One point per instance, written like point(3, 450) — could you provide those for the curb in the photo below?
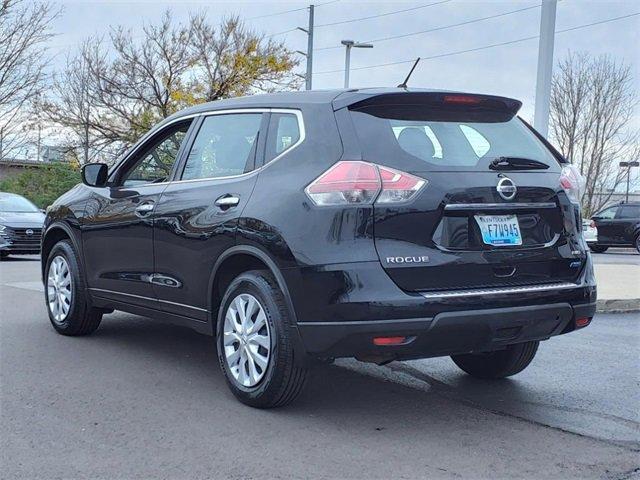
point(618, 306)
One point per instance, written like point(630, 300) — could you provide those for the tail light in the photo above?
point(592, 224)
point(357, 182)
point(572, 181)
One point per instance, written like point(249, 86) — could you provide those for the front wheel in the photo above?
point(255, 349)
point(598, 248)
point(69, 309)
point(498, 364)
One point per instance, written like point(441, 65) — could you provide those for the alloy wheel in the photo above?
point(246, 340)
point(59, 293)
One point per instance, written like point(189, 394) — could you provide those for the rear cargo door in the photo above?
point(472, 224)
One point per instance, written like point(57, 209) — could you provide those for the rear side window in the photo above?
point(284, 133)
point(629, 211)
point(416, 137)
point(224, 146)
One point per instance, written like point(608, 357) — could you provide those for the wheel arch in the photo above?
point(238, 259)
point(54, 233)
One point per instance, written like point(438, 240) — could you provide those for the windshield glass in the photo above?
point(16, 203)
point(414, 137)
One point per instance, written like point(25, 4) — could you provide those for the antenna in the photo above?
point(404, 84)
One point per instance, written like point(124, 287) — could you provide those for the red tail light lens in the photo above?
point(357, 182)
point(592, 224)
point(572, 181)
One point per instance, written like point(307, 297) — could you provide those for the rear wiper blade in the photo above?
point(517, 163)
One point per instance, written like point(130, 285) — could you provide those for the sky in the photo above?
point(508, 70)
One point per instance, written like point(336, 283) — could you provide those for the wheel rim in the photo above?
point(59, 293)
point(246, 340)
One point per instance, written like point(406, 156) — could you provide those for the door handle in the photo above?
point(227, 201)
point(144, 209)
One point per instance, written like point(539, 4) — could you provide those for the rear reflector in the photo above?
point(358, 182)
point(389, 340)
point(582, 322)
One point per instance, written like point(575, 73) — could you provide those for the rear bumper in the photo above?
point(442, 324)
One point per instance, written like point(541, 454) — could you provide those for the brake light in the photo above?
point(358, 182)
point(592, 224)
point(462, 99)
point(572, 181)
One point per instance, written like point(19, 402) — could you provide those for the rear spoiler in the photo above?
point(362, 98)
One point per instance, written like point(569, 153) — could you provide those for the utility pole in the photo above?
point(349, 44)
point(308, 78)
point(629, 165)
point(545, 66)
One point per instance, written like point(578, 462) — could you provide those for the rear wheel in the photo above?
point(4, 255)
point(255, 349)
point(498, 364)
point(66, 297)
point(598, 248)
point(638, 242)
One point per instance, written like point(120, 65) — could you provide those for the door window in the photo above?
point(225, 146)
point(608, 214)
point(629, 211)
point(284, 133)
point(155, 163)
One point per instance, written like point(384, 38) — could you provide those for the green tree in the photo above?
point(43, 184)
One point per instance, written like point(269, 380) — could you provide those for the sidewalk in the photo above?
point(618, 287)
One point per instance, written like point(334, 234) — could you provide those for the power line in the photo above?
point(436, 29)
point(290, 11)
point(342, 22)
point(510, 42)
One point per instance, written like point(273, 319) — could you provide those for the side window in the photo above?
point(629, 211)
point(225, 146)
point(411, 130)
point(284, 132)
point(479, 144)
point(609, 213)
point(156, 162)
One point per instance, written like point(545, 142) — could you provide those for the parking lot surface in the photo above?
point(140, 399)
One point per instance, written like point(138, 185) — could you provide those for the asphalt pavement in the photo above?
point(140, 399)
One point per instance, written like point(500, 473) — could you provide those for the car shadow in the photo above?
point(21, 258)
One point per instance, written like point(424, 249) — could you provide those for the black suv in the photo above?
point(295, 228)
point(618, 226)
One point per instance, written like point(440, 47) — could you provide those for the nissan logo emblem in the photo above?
point(506, 188)
point(29, 232)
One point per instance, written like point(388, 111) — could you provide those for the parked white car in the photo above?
point(590, 231)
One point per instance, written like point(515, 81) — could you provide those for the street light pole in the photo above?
point(545, 66)
point(629, 165)
point(349, 44)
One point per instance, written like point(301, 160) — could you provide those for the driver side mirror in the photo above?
point(95, 174)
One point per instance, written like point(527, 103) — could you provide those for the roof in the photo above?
point(338, 97)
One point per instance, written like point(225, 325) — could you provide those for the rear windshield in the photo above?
point(415, 138)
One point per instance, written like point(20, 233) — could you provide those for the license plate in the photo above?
point(499, 229)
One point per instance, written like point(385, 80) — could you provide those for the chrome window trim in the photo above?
point(301, 126)
point(499, 290)
point(227, 111)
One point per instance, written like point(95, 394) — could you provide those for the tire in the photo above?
point(80, 318)
point(637, 242)
point(3, 255)
point(598, 248)
point(279, 382)
point(498, 364)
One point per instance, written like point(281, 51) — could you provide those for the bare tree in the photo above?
point(236, 61)
point(24, 30)
point(119, 87)
point(592, 108)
